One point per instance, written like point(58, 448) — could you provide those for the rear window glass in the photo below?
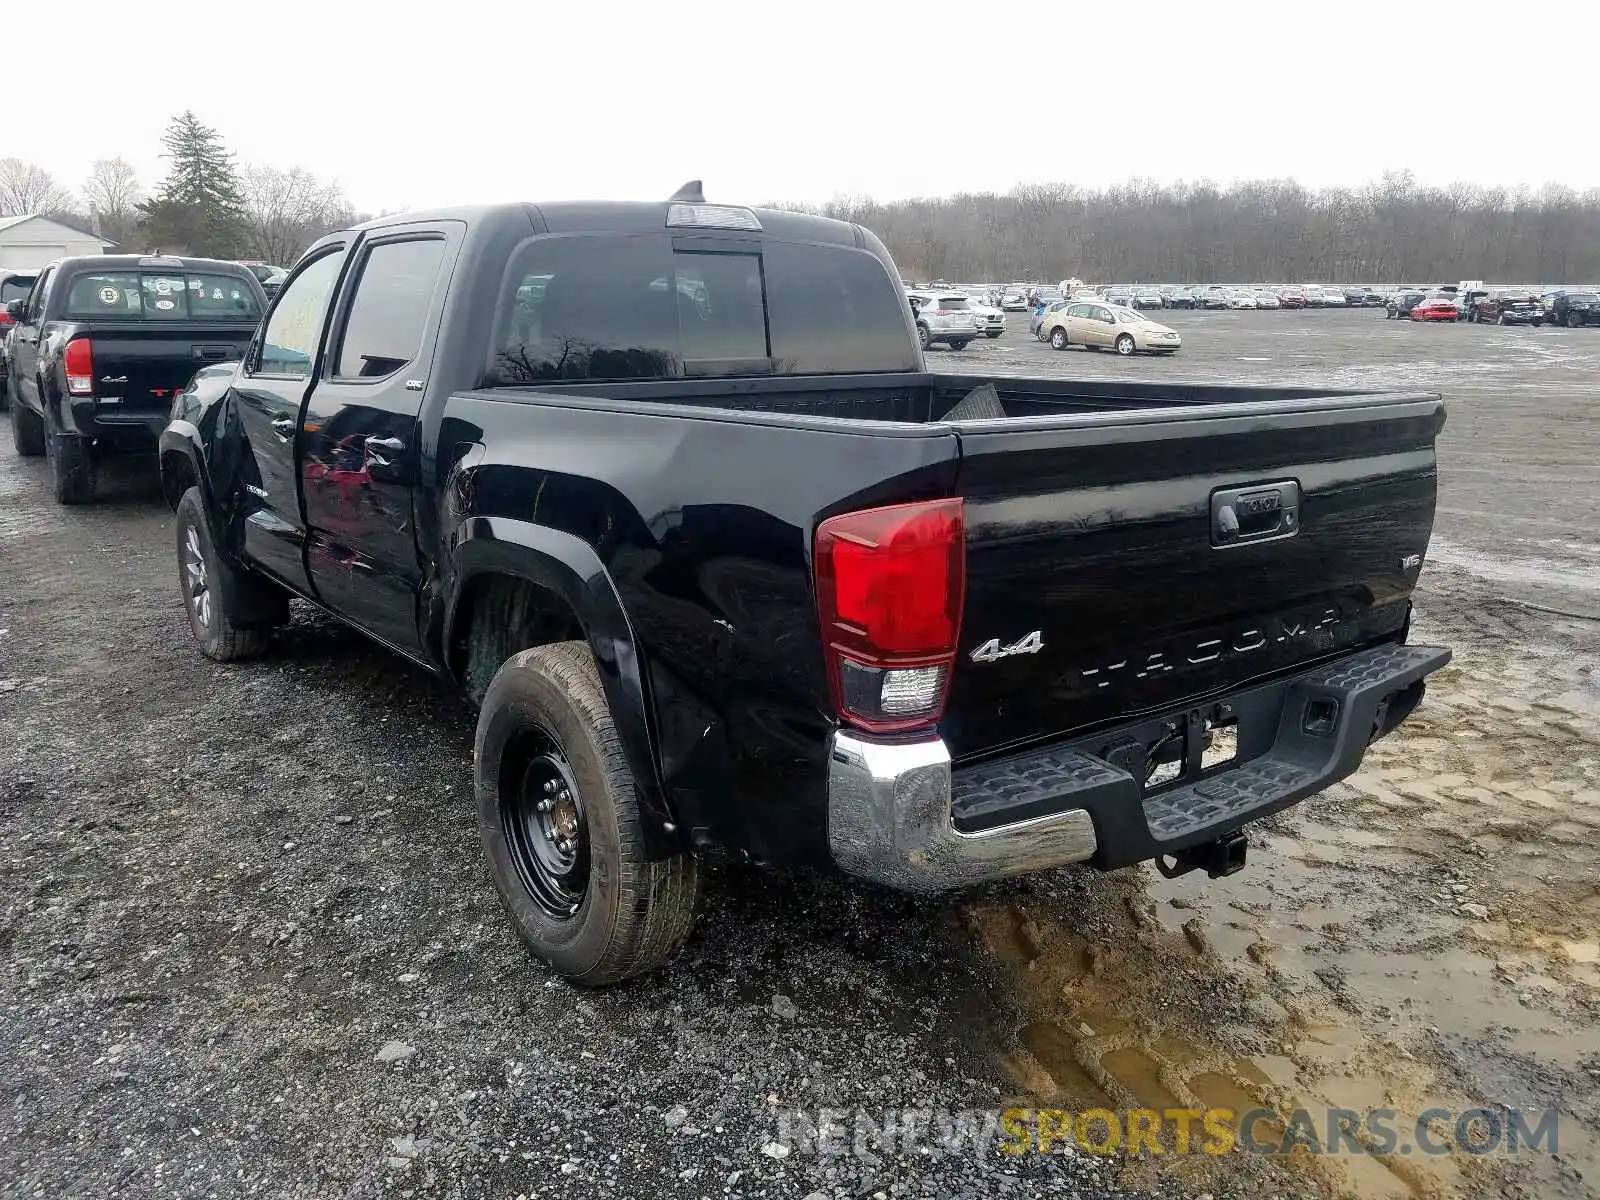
point(599, 308)
point(16, 288)
point(175, 296)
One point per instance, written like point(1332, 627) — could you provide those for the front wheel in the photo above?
point(1125, 345)
point(992, 333)
point(924, 338)
point(230, 613)
point(1502, 320)
point(559, 817)
point(1058, 338)
point(1573, 320)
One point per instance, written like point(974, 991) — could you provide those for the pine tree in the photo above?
point(198, 208)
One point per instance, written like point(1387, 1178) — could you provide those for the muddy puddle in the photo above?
point(1420, 937)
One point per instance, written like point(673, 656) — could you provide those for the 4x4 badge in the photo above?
point(992, 649)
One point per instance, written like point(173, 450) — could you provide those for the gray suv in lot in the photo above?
point(944, 317)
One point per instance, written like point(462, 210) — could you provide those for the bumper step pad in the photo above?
point(1324, 718)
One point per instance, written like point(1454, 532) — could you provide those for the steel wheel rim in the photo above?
point(196, 581)
point(545, 827)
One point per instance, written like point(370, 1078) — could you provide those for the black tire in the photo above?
point(71, 468)
point(27, 432)
point(545, 721)
point(992, 333)
point(1058, 338)
point(924, 338)
point(1126, 345)
point(1502, 320)
point(5, 392)
point(230, 613)
point(959, 343)
point(1573, 320)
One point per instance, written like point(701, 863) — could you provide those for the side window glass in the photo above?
point(36, 300)
point(289, 344)
point(387, 317)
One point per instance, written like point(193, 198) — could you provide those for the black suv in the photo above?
point(1571, 308)
point(14, 285)
point(1401, 303)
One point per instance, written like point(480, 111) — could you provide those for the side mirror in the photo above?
point(16, 309)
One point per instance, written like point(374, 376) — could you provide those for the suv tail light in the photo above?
point(890, 586)
point(78, 362)
point(5, 319)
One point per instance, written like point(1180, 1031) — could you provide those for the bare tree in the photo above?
point(113, 194)
point(26, 188)
point(285, 211)
point(1391, 230)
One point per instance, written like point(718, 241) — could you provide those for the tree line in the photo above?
point(206, 204)
point(1392, 230)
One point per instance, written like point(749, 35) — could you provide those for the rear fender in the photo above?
point(570, 570)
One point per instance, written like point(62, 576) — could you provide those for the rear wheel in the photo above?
point(559, 817)
point(71, 467)
point(959, 343)
point(1058, 338)
point(1125, 344)
point(1502, 320)
point(1573, 320)
point(27, 432)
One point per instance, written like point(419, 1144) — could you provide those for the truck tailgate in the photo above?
point(137, 367)
point(1123, 563)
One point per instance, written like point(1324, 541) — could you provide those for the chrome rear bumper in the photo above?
point(889, 821)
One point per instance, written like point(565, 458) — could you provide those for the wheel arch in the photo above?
point(518, 582)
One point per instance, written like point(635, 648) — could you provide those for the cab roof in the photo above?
point(622, 216)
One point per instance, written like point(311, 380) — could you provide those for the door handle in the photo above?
point(383, 451)
point(283, 427)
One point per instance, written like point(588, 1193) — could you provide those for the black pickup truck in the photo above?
point(102, 344)
point(666, 489)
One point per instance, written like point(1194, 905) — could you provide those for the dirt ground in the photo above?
point(247, 946)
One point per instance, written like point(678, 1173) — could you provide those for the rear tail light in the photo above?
point(5, 318)
point(78, 362)
point(890, 586)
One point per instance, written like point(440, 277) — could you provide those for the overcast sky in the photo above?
point(470, 100)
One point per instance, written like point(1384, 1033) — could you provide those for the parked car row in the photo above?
point(1571, 307)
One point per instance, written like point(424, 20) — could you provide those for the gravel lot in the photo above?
point(247, 946)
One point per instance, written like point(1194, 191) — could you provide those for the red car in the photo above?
point(1436, 308)
point(1289, 298)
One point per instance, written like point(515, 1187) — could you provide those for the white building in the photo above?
point(31, 241)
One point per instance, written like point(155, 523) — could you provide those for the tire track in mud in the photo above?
point(1422, 935)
